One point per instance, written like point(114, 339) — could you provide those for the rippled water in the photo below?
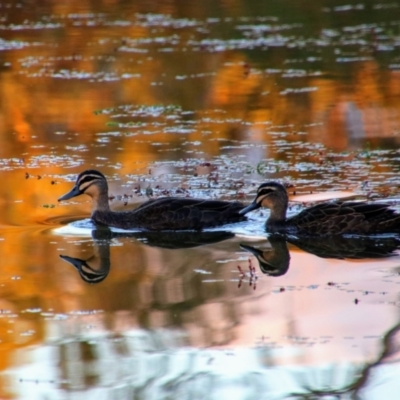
point(200, 99)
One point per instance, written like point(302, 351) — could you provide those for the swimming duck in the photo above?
point(331, 218)
point(166, 213)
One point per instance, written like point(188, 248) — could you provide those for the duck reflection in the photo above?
point(275, 261)
point(172, 239)
point(352, 247)
point(97, 267)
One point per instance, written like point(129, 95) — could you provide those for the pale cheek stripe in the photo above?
point(85, 185)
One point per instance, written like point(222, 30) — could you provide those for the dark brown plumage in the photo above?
point(167, 213)
point(331, 218)
point(353, 247)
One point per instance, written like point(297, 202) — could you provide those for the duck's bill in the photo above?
point(73, 193)
point(250, 207)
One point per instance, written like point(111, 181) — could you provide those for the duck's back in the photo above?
point(174, 213)
point(335, 218)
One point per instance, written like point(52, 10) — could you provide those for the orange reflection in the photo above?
point(102, 56)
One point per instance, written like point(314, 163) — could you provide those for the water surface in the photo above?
point(201, 99)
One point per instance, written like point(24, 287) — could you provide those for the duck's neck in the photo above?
point(100, 202)
point(278, 212)
point(277, 218)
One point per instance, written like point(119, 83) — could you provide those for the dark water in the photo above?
point(202, 99)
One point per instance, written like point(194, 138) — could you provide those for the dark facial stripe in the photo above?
point(90, 172)
point(86, 180)
point(266, 190)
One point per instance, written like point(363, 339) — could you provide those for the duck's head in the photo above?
point(270, 195)
point(90, 182)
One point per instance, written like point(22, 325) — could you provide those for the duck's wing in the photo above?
point(175, 213)
point(380, 217)
point(347, 217)
point(325, 218)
